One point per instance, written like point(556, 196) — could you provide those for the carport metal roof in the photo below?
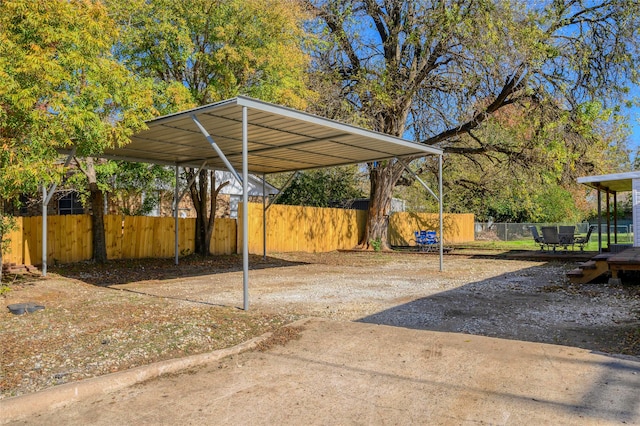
point(258, 137)
point(280, 140)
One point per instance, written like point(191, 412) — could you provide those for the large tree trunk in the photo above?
point(199, 195)
point(383, 177)
point(204, 195)
point(96, 198)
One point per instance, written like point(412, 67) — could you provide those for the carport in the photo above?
point(260, 138)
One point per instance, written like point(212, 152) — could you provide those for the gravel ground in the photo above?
point(99, 319)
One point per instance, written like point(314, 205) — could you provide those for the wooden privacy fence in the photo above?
point(312, 229)
point(297, 228)
point(458, 227)
point(128, 237)
point(289, 228)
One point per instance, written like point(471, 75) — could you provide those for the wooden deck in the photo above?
point(613, 263)
point(627, 260)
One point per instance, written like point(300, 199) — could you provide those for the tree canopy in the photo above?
point(218, 49)
point(61, 87)
point(323, 187)
point(439, 72)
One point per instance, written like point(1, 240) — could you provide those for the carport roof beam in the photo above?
point(216, 148)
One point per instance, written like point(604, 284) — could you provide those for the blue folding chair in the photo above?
point(431, 240)
point(420, 237)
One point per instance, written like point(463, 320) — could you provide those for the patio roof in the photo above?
point(617, 182)
point(613, 184)
point(280, 139)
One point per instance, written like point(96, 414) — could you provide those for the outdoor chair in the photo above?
point(420, 238)
point(566, 236)
point(550, 236)
point(536, 237)
point(432, 241)
point(583, 241)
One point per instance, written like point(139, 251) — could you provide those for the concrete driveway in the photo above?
point(339, 372)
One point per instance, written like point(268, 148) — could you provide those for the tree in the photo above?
point(322, 187)
point(217, 50)
point(22, 167)
point(128, 183)
point(60, 87)
point(438, 71)
point(512, 188)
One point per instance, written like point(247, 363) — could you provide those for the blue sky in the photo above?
point(634, 121)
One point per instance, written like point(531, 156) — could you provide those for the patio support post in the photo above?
point(245, 210)
point(615, 217)
point(45, 202)
point(608, 221)
point(599, 220)
point(46, 198)
point(245, 193)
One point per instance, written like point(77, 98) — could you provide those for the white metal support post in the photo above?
point(599, 220)
point(46, 198)
point(245, 210)
point(245, 193)
point(45, 203)
point(216, 148)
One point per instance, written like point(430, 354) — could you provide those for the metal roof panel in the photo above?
point(280, 139)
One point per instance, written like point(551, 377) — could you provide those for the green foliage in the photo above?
point(7, 224)
point(127, 182)
point(59, 87)
point(217, 49)
point(376, 244)
point(319, 188)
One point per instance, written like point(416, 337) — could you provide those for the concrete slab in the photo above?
point(357, 373)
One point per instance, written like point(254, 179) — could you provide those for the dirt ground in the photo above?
point(105, 318)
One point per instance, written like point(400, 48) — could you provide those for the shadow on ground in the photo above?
point(132, 270)
point(530, 306)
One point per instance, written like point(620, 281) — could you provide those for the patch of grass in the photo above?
point(527, 244)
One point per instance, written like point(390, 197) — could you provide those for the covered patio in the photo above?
point(619, 257)
point(245, 135)
point(612, 185)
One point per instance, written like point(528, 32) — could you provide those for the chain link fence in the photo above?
point(493, 231)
